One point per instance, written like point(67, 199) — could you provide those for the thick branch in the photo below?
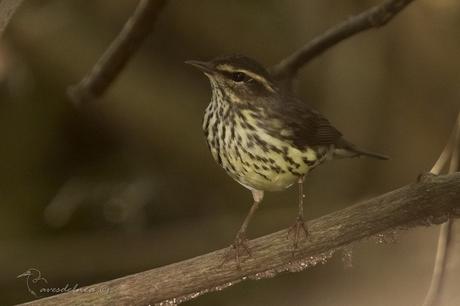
point(119, 52)
point(432, 200)
point(374, 17)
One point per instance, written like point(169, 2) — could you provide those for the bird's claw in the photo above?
point(296, 230)
point(236, 250)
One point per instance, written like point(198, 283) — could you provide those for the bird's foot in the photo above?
point(297, 230)
point(237, 249)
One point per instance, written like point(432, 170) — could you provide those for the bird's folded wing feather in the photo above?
point(306, 126)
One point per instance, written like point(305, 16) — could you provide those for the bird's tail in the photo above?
point(347, 149)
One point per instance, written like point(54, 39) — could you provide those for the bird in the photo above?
point(265, 137)
point(32, 276)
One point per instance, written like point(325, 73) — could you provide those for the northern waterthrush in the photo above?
point(265, 138)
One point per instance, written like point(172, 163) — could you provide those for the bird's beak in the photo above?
point(203, 66)
point(27, 273)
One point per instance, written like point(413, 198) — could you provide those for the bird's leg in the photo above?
point(299, 227)
point(240, 244)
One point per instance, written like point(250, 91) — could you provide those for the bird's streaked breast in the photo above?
point(240, 142)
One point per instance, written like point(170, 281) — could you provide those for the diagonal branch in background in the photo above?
point(7, 10)
point(114, 59)
point(432, 200)
point(374, 17)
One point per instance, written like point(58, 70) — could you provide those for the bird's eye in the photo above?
point(239, 77)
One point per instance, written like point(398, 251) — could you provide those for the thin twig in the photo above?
point(374, 17)
point(453, 167)
point(444, 157)
point(439, 264)
point(434, 199)
point(447, 152)
point(114, 59)
point(7, 10)
point(452, 151)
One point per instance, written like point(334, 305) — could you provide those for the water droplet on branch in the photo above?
point(387, 237)
point(347, 256)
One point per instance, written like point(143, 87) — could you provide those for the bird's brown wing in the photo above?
point(306, 126)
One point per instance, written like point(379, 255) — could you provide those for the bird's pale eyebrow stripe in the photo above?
point(252, 75)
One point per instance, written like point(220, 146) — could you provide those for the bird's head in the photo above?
point(238, 77)
point(34, 274)
point(28, 273)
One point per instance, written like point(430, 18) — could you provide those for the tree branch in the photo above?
point(432, 200)
point(7, 10)
point(374, 17)
point(114, 59)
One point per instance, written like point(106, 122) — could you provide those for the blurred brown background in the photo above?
point(129, 185)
